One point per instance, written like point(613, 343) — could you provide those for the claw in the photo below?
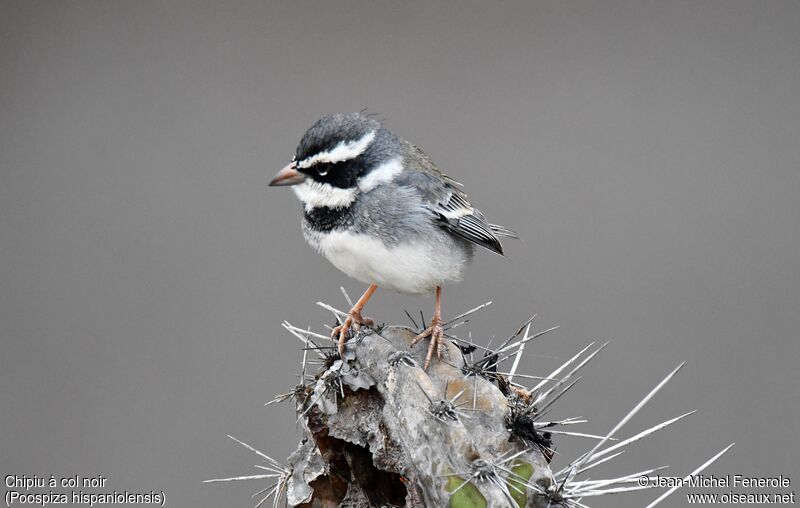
point(436, 333)
point(355, 320)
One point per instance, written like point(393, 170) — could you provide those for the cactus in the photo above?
point(378, 430)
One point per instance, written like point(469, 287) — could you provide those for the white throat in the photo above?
point(315, 194)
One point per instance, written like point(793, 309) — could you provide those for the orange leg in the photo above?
point(354, 318)
point(434, 331)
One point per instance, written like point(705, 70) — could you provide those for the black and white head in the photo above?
point(339, 157)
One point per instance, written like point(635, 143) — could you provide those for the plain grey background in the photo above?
point(648, 152)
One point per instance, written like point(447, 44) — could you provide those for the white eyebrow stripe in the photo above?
point(344, 151)
point(384, 173)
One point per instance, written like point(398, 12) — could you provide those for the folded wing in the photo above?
point(450, 207)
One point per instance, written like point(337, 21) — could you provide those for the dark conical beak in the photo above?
point(287, 176)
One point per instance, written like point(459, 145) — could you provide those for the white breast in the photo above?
point(413, 268)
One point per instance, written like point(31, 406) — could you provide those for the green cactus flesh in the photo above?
point(467, 496)
point(522, 472)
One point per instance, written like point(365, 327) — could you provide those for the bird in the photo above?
point(380, 211)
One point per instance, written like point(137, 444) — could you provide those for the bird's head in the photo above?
point(337, 158)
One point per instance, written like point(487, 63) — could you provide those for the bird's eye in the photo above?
point(323, 169)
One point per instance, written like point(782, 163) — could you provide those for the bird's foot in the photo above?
point(436, 333)
point(355, 320)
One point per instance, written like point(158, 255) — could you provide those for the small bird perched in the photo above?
point(380, 211)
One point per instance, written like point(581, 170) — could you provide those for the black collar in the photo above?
point(324, 218)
